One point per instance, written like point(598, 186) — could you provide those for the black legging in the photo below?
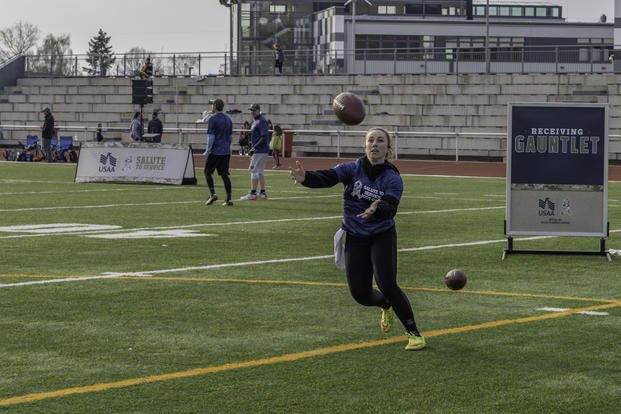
point(377, 255)
point(211, 185)
point(221, 164)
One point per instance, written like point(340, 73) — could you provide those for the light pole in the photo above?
point(487, 57)
point(353, 28)
point(229, 4)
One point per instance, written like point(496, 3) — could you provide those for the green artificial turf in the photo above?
point(251, 315)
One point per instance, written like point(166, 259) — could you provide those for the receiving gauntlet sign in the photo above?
point(557, 169)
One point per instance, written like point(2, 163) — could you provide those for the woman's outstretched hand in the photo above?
point(370, 210)
point(298, 173)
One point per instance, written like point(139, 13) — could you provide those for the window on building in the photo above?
point(401, 44)
point(450, 11)
point(479, 10)
point(245, 20)
point(387, 41)
point(504, 41)
point(529, 11)
point(493, 10)
point(597, 54)
point(373, 42)
point(516, 11)
point(478, 42)
point(386, 9)
point(278, 8)
point(503, 11)
point(413, 9)
point(555, 11)
point(541, 11)
point(429, 43)
point(594, 49)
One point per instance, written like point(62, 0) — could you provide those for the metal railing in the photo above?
point(447, 144)
point(533, 59)
point(122, 65)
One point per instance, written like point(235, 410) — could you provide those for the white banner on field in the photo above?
point(135, 162)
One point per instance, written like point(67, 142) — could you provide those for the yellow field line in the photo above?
point(285, 358)
point(343, 284)
point(523, 295)
point(328, 284)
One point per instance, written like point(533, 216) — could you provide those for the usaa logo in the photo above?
point(107, 163)
point(547, 207)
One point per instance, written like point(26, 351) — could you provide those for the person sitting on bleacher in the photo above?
point(147, 70)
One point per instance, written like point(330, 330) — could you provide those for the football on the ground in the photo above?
point(349, 108)
point(455, 279)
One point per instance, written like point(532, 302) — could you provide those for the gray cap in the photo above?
point(46, 109)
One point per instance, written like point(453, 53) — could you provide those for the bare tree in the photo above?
point(54, 56)
point(134, 58)
point(17, 40)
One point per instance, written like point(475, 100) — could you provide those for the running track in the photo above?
point(422, 167)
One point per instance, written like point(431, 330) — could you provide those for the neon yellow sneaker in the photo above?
point(415, 342)
point(386, 319)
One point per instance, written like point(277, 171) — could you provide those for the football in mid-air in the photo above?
point(455, 279)
point(349, 108)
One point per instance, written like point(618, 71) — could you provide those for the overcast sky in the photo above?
point(181, 25)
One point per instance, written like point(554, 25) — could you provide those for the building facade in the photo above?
point(416, 36)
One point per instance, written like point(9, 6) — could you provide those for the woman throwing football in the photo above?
point(373, 188)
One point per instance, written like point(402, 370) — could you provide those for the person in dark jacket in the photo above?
point(218, 151)
point(98, 133)
point(372, 191)
point(259, 141)
point(279, 58)
point(47, 132)
point(155, 126)
point(136, 129)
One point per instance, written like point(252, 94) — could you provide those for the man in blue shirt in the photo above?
point(218, 151)
point(259, 149)
point(155, 126)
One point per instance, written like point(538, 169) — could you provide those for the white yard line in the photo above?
point(99, 190)
point(108, 275)
point(162, 203)
point(247, 222)
point(450, 210)
point(552, 309)
point(63, 280)
point(486, 199)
